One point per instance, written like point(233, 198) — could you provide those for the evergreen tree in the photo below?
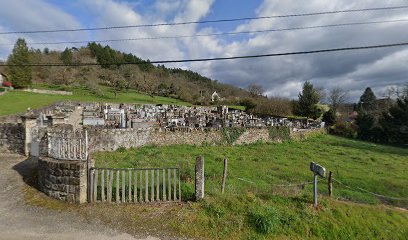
point(368, 101)
point(20, 73)
point(306, 105)
point(365, 122)
point(367, 118)
point(329, 117)
point(395, 122)
point(66, 56)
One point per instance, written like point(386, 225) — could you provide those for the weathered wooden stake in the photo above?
point(224, 175)
point(330, 183)
point(117, 186)
point(199, 178)
point(315, 190)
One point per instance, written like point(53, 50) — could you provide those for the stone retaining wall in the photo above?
point(63, 180)
point(112, 139)
point(12, 137)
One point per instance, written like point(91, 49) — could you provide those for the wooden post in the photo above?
point(90, 186)
point(330, 183)
point(315, 190)
point(164, 185)
point(130, 186)
point(169, 184)
point(123, 186)
point(147, 186)
point(95, 186)
point(175, 185)
point(110, 186)
point(117, 186)
point(179, 185)
point(199, 178)
point(135, 187)
point(103, 185)
point(152, 187)
point(224, 175)
point(141, 187)
point(158, 185)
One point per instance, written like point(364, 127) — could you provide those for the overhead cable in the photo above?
point(207, 21)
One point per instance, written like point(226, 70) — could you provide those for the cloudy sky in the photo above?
point(279, 76)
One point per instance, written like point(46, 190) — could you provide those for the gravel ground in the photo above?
point(21, 221)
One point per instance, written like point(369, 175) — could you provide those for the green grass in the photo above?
point(284, 212)
point(242, 108)
point(17, 101)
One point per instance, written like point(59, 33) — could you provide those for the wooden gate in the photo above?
point(134, 185)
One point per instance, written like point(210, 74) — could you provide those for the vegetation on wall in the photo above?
point(230, 135)
point(279, 133)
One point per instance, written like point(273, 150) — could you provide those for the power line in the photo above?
point(215, 34)
point(218, 58)
point(208, 21)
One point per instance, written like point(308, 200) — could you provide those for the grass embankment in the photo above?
point(254, 208)
point(18, 101)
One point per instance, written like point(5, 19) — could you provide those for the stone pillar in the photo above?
point(199, 178)
point(63, 180)
point(29, 122)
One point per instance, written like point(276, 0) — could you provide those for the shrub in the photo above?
point(7, 84)
point(2, 89)
point(344, 129)
point(264, 220)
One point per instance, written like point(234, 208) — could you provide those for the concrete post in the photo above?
point(199, 178)
point(29, 122)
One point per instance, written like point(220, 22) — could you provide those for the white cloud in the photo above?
point(282, 76)
point(27, 15)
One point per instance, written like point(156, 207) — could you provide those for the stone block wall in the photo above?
point(252, 135)
point(12, 138)
point(162, 137)
point(112, 139)
point(63, 180)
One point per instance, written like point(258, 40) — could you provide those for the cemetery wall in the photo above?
point(63, 180)
point(193, 136)
point(112, 139)
point(252, 135)
point(12, 138)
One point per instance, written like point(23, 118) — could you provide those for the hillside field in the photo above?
point(18, 101)
point(253, 207)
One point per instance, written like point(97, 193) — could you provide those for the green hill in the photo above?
point(121, 71)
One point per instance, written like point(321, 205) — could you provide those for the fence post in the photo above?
point(224, 175)
point(330, 183)
point(199, 178)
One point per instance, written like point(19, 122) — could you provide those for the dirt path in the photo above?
point(20, 221)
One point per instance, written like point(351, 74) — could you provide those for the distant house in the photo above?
point(3, 78)
point(215, 97)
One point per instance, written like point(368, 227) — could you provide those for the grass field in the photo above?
point(253, 208)
point(17, 101)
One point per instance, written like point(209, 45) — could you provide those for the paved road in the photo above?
point(20, 221)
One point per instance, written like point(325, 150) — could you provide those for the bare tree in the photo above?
point(321, 92)
point(255, 90)
point(337, 96)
